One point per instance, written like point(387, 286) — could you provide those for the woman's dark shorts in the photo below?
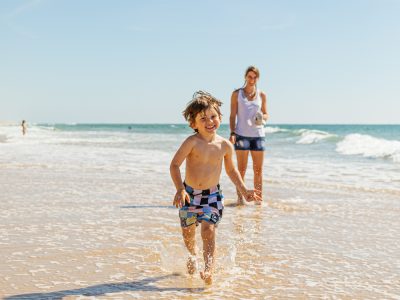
point(250, 143)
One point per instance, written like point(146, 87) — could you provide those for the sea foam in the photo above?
point(313, 136)
point(270, 129)
point(368, 146)
point(3, 138)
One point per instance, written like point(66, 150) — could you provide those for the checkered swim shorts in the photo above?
point(205, 205)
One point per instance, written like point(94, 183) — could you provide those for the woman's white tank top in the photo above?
point(245, 123)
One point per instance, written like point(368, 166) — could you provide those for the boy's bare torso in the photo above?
point(204, 163)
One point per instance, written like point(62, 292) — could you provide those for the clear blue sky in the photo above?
point(334, 61)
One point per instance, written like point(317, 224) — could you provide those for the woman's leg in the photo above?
point(242, 157)
point(258, 160)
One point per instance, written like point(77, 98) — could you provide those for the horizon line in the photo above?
point(176, 123)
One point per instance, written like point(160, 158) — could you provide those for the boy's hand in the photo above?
point(180, 197)
point(251, 195)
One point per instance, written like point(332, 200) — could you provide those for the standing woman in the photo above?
point(247, 118)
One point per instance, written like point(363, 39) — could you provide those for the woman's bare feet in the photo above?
point(206, 275)
point(191, 264)
point(240, 202)
point(259, 202)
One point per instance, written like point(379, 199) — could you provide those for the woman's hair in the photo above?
point(252, 69)
point(201, 101)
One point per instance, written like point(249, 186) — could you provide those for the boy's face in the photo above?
point(207, 122)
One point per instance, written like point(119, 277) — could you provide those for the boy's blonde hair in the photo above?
point(201, 101)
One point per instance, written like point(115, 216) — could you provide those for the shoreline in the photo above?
point(80, 239)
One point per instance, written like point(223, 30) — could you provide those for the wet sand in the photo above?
point(98, 234)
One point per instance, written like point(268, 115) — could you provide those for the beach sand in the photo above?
point(86, 213)
point(103, 235)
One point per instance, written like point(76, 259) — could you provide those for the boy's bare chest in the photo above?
point(208, 153)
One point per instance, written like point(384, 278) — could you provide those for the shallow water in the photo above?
point(80, 220)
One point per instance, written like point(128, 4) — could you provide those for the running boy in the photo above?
point(199, 197)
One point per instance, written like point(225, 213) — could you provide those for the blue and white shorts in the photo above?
point(205, 205)
point(250, 143)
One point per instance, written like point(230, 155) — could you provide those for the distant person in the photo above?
point(23, 126)
point(199, 197)
point(247, 118)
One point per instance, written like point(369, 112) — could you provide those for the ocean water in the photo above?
point(85, 211)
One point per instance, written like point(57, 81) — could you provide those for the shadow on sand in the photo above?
point(148, 206)
point(107, 288)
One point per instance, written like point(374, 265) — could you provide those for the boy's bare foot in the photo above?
point(191, 264)
point(206, 276)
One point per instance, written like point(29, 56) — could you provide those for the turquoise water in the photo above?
point(380, 131)
point(362, 156)
point(359, 141)
point(90, 204)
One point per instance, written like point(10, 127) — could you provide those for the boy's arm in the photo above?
point(175, 172)
point(234, 175)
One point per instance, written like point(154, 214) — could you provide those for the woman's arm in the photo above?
point(232, 117)
point(264, 108)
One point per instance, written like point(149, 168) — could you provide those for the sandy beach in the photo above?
point(104, 228)
point(94, 105)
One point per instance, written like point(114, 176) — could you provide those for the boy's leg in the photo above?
point(242, 157)
point(189, 234)
point(208, 236)
point(258, 160)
